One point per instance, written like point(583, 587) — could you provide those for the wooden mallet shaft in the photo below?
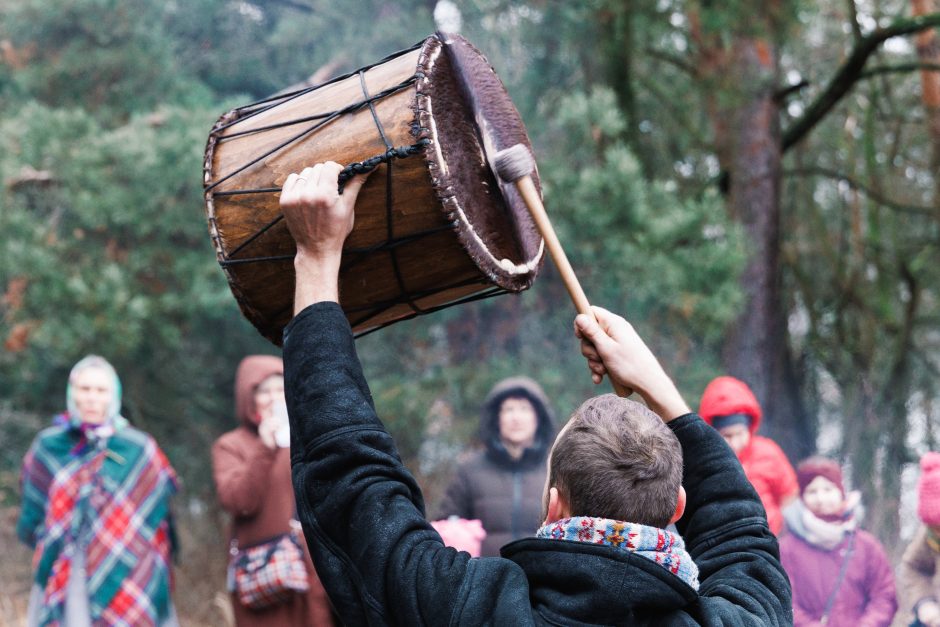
point(515, 165)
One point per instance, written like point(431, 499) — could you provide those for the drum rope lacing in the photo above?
point(389, 195)
point(353, 255)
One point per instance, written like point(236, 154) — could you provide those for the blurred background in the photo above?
point(754, 185)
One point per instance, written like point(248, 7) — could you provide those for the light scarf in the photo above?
point(657, 545)
point(821, 533)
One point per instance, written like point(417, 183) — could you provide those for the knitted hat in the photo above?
point(928, 489)
point(814, 467)
point(725, 396)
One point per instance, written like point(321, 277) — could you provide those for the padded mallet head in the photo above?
point(513, 163)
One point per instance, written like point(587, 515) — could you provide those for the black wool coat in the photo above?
point(383, 564)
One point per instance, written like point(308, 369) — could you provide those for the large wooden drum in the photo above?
point(434, 227)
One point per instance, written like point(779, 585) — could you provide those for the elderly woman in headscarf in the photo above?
point(251, 468)
point(96, 510)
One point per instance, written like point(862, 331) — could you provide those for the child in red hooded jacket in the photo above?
point(730, 406)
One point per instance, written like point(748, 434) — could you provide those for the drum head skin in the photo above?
point(434, 225)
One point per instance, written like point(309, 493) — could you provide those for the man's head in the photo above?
point(615, 459)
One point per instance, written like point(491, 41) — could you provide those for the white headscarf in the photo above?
point(114, 407)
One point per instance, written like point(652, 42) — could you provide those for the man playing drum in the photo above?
point(615, 480)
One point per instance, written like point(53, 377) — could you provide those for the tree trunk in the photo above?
point(757, 349)
point(617, 46)
point(928, 51)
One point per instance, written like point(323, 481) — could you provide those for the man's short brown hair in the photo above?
point(617, 459)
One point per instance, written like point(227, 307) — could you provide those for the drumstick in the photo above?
point(515, 165)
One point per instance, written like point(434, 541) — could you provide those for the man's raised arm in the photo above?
point(362, 511)
point(724, 525)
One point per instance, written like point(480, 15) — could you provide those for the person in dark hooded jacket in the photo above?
point(602, 557)
point(502, 485)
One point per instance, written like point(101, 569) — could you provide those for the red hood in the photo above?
point(725, 396)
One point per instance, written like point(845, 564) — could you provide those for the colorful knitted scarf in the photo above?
point(657, 545)
point(104, 491)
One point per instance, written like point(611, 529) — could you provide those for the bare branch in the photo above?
point(901, 68)
point(671, 59)
point(854, 184)
point(675, 112)
point(853, 19)
point(782, 94)
point(850, 72)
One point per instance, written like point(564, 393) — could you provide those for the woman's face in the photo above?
point(823, 497)
point(92, 391)
point(267, 394)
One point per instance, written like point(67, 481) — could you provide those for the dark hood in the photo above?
point(489, 421)
point(579, 583)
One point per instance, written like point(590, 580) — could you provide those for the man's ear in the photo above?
point(680, 506)
point(557, 507)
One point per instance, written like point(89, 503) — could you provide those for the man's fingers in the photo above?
point(591, 331)
point(287, 189)
point(330, 172)
point(589, 351)
point(597, 367)
point(353, 186)
point(307, 175)
point(316, 171)
point(290, 182)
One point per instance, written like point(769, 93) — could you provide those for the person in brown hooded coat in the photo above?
point(251, 469)
point(502, 485)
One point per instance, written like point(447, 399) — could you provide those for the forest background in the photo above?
point(754, 185)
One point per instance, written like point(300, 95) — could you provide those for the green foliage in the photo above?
point(669, 261)
point(109, 56)
point(113, 258)
point(104, 248)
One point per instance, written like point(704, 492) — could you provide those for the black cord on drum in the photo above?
point(364, 167)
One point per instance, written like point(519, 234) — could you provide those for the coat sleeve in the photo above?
point(726, 532)
point(362, 512)
point(916, 572)
point(241, 475)
point(882, 599)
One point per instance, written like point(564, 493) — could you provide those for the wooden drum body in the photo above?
point(433, 227)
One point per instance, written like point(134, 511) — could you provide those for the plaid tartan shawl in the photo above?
point(109, 498)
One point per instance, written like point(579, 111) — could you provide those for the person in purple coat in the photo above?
point(840, 574)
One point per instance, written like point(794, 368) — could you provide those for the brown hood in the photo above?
point(251, 371)
point(489, 420)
